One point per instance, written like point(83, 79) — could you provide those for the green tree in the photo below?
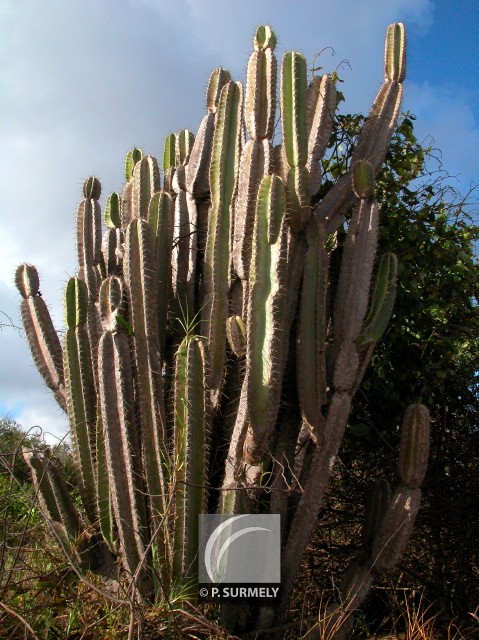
point(429, 354)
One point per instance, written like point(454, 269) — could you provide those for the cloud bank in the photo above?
point(99, 77)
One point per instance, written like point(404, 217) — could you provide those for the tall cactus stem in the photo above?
point(132, 157)
point(311, 341)
point(81, 397)
point(123, 450)
point(414, 451)
point(293, 108)
point(266, 309)
point(184, 144)
point(113, 211)
point(321, 106)
point(160, 218)
point(190, 452)
point(169, 152)
point(141, 286)
point(146, 181)
point(260, 94)
point(223, 178)
point(217, 80)
point(256, 162)
point(396, 528)
point(41, 335)
point(54, 493)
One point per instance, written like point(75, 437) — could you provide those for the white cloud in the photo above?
point(446, 121)
point(99, 77)
point(10, 252)
point(53, 426)
point(23, 394)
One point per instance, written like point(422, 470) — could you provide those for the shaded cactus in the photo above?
point(53, 493)
point(223, 177)
point(388, 521)
point(382, 302)
point(42, 337)
point(190, 475)
point(230, 237)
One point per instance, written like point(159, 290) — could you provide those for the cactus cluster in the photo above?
point(206, 340)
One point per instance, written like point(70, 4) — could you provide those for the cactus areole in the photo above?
point(209, 294)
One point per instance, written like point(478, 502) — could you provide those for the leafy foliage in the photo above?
point(429, 354)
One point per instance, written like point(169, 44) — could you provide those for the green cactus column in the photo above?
point(190, 439)
point(398, 520)
point(257, 158)
point(312, 330)
point(185, 239)
point(321, 103)
point(41, 335)
point(54, 496)
point(295, 136)
point(223, 179)
point(121, 435)
point(113, 238)
point(197, 170)
point(376, 134)
point(266, 308)
point(160, 218)
point(90, 259)
point(81, 396)
point(388, 523)
point(141, 288)
point(133, 156)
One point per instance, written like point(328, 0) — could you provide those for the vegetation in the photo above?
point(426, 355)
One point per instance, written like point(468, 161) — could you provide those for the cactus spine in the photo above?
point(235, 237)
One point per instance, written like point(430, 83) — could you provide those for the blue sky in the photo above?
point(82, 82)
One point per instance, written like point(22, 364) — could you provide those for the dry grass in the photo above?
point(44, 596)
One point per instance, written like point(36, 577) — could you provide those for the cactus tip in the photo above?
point(264, 38)
point(76, 302)
point(132, 157)
point(92, 188)
point(395, 52)
point(27, 280)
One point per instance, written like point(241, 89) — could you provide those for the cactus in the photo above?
point(190, 450)
point(234, 234)
point(388, 521)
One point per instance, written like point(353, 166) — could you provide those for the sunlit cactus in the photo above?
point(210, 358)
